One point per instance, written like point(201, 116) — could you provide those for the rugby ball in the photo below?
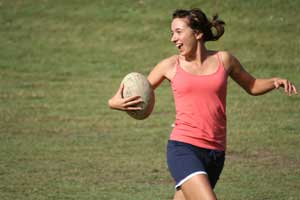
point(136, 84)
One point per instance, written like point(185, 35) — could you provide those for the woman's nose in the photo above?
point(173, 38)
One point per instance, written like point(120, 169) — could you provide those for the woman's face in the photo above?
point(184, 38)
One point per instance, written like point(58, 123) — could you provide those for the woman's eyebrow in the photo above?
point(177, 29)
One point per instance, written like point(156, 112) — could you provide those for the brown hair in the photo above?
point(199, 22)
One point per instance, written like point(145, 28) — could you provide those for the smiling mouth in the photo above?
point(179, 46)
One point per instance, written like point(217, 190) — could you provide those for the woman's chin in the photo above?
point(182, 53)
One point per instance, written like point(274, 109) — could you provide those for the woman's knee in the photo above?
point(178, 195)
point(198, 187)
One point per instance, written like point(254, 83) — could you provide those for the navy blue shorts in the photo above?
point(186, 160)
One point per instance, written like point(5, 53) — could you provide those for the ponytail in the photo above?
point(216, 28)
point(211, 29)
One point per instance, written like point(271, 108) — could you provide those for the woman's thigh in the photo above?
point(198, 187)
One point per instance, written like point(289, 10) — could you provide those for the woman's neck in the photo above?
point(199, 55)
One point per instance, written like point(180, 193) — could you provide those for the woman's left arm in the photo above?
point(253, 85)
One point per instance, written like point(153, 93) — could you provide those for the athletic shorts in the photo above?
point(186, 160)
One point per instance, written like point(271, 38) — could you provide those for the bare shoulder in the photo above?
point(226, 58)
point(167, 66)
point(168, 62)
point(229, 60)
point(165, 69)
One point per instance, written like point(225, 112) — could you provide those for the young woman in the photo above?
point(198, 77)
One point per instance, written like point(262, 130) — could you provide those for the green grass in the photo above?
point(60, 61)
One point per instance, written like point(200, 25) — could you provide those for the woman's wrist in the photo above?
point(109, 103)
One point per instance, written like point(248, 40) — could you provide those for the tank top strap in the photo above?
point(220, 62)
point(177, 65)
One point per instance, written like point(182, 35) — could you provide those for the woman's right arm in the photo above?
point(157, 75)
point(163, 70)
point(117, 102)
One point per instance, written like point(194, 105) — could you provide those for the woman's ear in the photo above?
point(198, 35)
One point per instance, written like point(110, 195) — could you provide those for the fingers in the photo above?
point(131, 103)
point(133, 108)
point(128, 99)
point(289, 88)
point(134, 102)
point(294, 89)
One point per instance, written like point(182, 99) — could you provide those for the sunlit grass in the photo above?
point(60, 61)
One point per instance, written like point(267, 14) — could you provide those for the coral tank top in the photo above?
point(200, 102)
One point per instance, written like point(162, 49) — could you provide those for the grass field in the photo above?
point(60, 61)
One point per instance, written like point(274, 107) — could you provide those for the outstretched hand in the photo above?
point(119, 103)
point(289, 88)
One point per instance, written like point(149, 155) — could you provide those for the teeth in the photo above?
point(179, 45)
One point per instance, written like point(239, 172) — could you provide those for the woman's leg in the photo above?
point(201, 167)
point(178, 195)
point(198, 188)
